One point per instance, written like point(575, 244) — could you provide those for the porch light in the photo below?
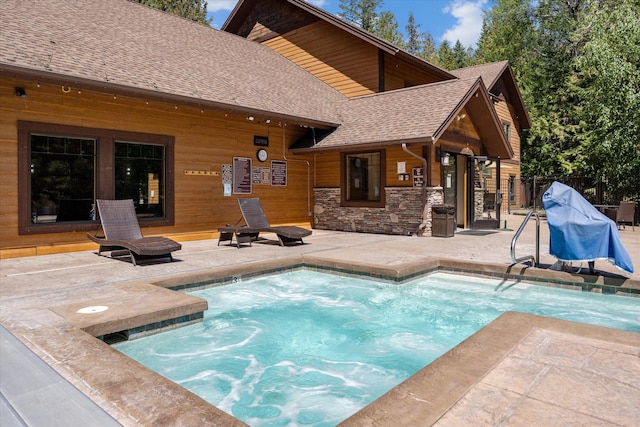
point(466, 151)
point(444, 159)
point(250, 118)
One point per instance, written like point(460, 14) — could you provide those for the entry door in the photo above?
point(484, 196)
point(449, 182)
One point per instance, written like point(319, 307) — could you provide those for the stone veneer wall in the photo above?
point(403, 213)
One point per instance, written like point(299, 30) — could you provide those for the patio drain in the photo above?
point(93, 309)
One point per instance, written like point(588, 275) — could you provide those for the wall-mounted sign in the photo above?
point(278, 173)
point(262, 141)
point(261, 176)
point(418, 177)
point(241, 175)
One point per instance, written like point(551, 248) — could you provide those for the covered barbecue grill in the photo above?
point(579, 231)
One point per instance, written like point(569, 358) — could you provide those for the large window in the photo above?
point(139, 173)
point(62, 178)
point(64, 169)
point(363, 179)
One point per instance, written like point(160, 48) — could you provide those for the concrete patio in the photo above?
point(519, 370)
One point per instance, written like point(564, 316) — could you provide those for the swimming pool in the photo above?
point(311, 348)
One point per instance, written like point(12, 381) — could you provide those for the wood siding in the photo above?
point(399, 74)
point(328, 170)
point(346, 63)
point(204, 140)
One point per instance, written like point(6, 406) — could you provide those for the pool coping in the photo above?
point(134, 395)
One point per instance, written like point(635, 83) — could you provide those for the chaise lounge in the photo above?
point(122, 234)
point(256, 220)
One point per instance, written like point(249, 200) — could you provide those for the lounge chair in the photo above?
point(255, 219)
point(626, 214)
point(122, 234)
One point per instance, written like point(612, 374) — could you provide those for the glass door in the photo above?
point(485, 196)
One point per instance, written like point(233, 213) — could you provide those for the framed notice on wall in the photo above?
point(241, 175)
point(278, 173)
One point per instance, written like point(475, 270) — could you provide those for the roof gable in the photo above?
point(119, 45)
point(243, 18)
point(498, 75)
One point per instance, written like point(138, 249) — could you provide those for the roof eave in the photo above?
point(44, 76)
point(367, 145)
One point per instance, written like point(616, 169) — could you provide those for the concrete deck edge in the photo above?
point(427, 395)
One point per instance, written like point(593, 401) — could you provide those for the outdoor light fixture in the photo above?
point(267, 121)
point(21, 92)
point(250, 118)
point(444, 159)
point(461, 116)
point(466, 151)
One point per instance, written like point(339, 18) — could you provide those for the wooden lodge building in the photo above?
point(329, 125)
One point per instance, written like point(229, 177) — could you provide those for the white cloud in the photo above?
point(318, 3)
point(218, 5)
point(468, 25)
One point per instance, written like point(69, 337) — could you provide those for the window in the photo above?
point(139, 174)
point(62, 178)
point(512, 190)
point(63, 169)
point(506, 128)
point(362, 179)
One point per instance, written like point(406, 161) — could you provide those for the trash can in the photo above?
point(443, 220)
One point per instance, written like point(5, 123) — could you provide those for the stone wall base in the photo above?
point(404, 212)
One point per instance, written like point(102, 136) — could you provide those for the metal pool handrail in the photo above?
point(535, 259)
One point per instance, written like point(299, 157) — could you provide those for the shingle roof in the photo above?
point(120, 44)
point(490, 73)
point(415, 114)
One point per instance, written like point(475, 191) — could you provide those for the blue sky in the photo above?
point(444, 19)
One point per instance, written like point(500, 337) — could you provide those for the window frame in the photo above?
point(344, 180)
point(104, 172)
point(506, 129)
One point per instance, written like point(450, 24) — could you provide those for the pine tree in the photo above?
point(445, 56)
point(414, 44)
point(195, 10)
point(386, 27)
point(428, 52)
point(360, 12)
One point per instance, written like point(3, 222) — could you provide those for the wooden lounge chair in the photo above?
point(255, 219)
point(122, 234)
point(626, 214)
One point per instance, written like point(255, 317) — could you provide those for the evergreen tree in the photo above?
point(461, 56)
point(553, 146)
point(445, 56)
point(414, 43)
point(360, 12)
point(386, 27)
point(195, 10)
point(507, 34)
point(428, 52)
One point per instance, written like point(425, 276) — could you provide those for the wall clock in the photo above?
point(262, 155)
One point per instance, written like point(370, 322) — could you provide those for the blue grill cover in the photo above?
point(579, 231)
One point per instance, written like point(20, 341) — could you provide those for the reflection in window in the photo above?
point(139, 174)
point(62, 178)
point(363, 177)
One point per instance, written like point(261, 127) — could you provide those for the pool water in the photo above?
point(308, 348)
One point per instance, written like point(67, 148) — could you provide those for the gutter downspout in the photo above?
point(424, 186)
point(422, 159)
point(284, 156)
